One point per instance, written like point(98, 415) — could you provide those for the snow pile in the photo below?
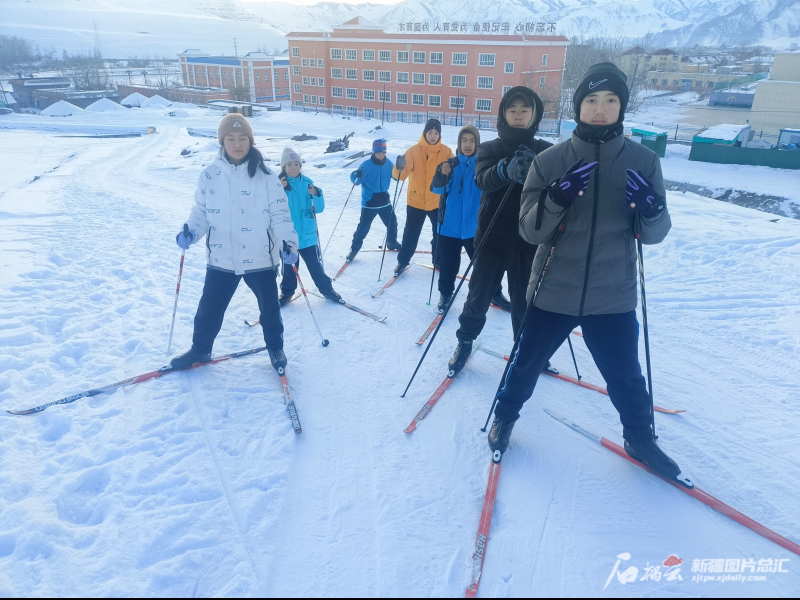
point(155, 102)
point(103, 105)
point(62, 108)
point(135, 99)
point(723, 131)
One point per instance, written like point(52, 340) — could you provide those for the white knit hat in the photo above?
point(288, 156)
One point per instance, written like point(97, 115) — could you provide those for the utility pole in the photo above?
point(383, 110)
point(235, 48)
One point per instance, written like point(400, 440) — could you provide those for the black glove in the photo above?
point(572, 184)
point(642, 195)
point(400, 163)
point(454, 162)
point(359, 173)
point(518, 167)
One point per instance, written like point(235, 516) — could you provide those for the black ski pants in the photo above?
point(310, 256)
point(218, 290)
point(449, 261)
point(367, 216)
point(613, 341)
point(415, 219)
point(487, 275)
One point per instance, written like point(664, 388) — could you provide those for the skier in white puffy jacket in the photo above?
point(241, 208)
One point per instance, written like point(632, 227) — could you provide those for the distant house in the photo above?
point(724, 134)
point(776, 104)
point(24, 89)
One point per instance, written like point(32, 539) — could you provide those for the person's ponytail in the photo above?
point(255, 160)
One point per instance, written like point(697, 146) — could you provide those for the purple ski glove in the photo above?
point(289, 255)
point(185, 238)
point(572, 184)
point(642, 196)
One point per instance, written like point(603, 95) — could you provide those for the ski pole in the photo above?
point(575, 362)
point(300, 281)
point(460, 283)
point(177, 291)
point(646, 333)
point(436, 245)
point(337, 220)
point(319, 250)
point(386, 240)
point(513, 356)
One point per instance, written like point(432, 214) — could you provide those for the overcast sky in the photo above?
point(336, 1)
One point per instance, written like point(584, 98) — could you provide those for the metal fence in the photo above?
point(734, 155)
point(726, 85)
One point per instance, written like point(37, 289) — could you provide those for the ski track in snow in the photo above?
point(195, 483)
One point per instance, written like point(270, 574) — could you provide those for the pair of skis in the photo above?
point(287, 395)
point(347, 305)
point(682, 483)
point(347, 263)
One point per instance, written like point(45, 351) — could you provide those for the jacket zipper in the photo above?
point(594, 222)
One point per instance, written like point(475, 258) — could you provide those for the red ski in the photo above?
point(686, 486)
point(588, 386)
point(430, 329)
point(131, 381)
point(435, 397)
point(344, 266)
point(431, 267)
point(484, 525)
point(290, 407)
point(388, 284)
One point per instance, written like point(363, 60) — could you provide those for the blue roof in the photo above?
point(214, 61)
point(280, 63)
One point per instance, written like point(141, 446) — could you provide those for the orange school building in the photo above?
point(360, 70)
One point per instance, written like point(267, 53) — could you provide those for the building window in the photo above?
point(351, 54)
point(435, 79)
point(485, 83)
point(665, 81)
point(510, 67)
point(486, 60)
point(544, 60)
point(368, 55)
point(418, 79)
point(385, 56)
point(285, 76)
point(319, 63)
point(385, 96)
point(402, 56)
point(541, 81)
point(459, 58)
point(320, 82)
point(225, 73)
point(419, 58)
point(295, 71)
point(338, 109)
point(336, 54)
point(352, 93)
point(402, 98)
point(298, 103)
point(312, 62)
point(297, 89)
point(369, 113)
point(313, 99)
point(368, 75)
point(418, 99)
point(351, 73)
point(322, 100)
point(457, 102)
point(306, 98)
point(336, 73)
point(710, 84)
point(385, 76)
point(483, 105)
point(675, 82)
point(458, 81)
point(437, 58)
point(304, 62)
point(314, 81)
point(402, 77)
point(352, 111)
point(258, 76)
point(505, 89)
point(295, 51)
point(369, 95)
point(337, 92)
point(258, 92)
point(435, 101)
point(305, 80)
point(654, 81)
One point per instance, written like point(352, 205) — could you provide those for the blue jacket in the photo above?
point(463, 199)
point(300, 205)
point(375, 179)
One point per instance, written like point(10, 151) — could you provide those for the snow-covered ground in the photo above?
point(195, 484)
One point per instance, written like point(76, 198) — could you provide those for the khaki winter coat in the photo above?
point(593, 269)
point(421, 162)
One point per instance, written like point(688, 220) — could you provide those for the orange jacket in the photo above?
point(421, 162)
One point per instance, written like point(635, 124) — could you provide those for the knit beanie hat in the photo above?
point(379, 145)
point(432, 124)
point(288, 156)
point(602, 77)
point(234, 123)
point(473, 131)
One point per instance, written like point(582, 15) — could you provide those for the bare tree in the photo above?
point(240, 93)
point(165, 73)
point(86, 70)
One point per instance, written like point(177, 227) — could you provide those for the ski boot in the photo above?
point(501, 302)
point(350, 255)
point(500, 434)
point(398, 270)
point(333, 296)
point(444, 301)
point(654, 457)
point(186, 360)
point(393, 246)
point(285, 299)
point(278, 360)
point(460, 357)
point(550, 369)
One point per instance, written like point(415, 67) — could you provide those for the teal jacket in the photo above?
point(302, 207)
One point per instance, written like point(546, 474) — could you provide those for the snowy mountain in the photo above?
point(154, 27)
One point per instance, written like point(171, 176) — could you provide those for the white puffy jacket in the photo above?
point(246, 219)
